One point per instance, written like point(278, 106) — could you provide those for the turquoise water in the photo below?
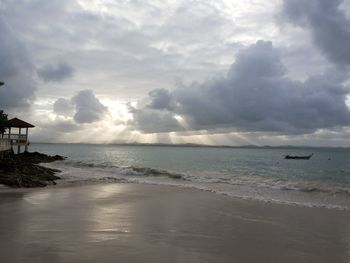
point(258, 173)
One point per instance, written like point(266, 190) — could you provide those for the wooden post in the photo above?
point(19, 141)
point(9, 137)
point(26, 147)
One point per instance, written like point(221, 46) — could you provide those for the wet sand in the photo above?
point(145, 223)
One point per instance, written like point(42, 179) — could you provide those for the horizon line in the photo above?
point(193, 145)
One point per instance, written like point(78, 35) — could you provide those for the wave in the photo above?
point(116, 173)
point(128, 171)
point(303, 193)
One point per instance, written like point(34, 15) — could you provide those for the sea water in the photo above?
point(250, 173)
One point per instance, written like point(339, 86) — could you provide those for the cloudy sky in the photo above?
point(178, 71)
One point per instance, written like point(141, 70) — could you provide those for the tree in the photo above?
point(3, 121)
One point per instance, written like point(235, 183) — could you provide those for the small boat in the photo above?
point(296, 157)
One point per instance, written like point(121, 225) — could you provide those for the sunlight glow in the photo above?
point(94, 5)
point(182, 122)
point(119, 110)
point(347, 101)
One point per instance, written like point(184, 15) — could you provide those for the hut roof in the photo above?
point(17, 123)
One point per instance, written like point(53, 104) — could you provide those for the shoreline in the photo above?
point(250, 174)
point(61, 183)
point(139, 222)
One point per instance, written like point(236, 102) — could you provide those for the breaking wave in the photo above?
point(251, 187)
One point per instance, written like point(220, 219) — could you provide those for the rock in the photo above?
point(36, 157)
point(22, 170)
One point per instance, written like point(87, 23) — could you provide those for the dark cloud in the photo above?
point(122, 50)
point(118, 42)
point(256, 95)
point(160, 99)
point(63, 107)
point(329, 26)
point(88, 108)
point(55, 72)
point(153, 121)
point(84, 107)
point(16, 70)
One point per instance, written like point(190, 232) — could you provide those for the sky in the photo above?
point(219, 72)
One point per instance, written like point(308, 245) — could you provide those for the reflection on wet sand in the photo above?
point(140, 223)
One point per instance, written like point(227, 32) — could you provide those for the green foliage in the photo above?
point(3, 121)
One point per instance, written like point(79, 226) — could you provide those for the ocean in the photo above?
point(248, 173)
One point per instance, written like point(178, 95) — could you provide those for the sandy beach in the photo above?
point(149, 223)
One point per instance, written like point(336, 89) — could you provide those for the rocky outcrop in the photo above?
point(22, 170)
